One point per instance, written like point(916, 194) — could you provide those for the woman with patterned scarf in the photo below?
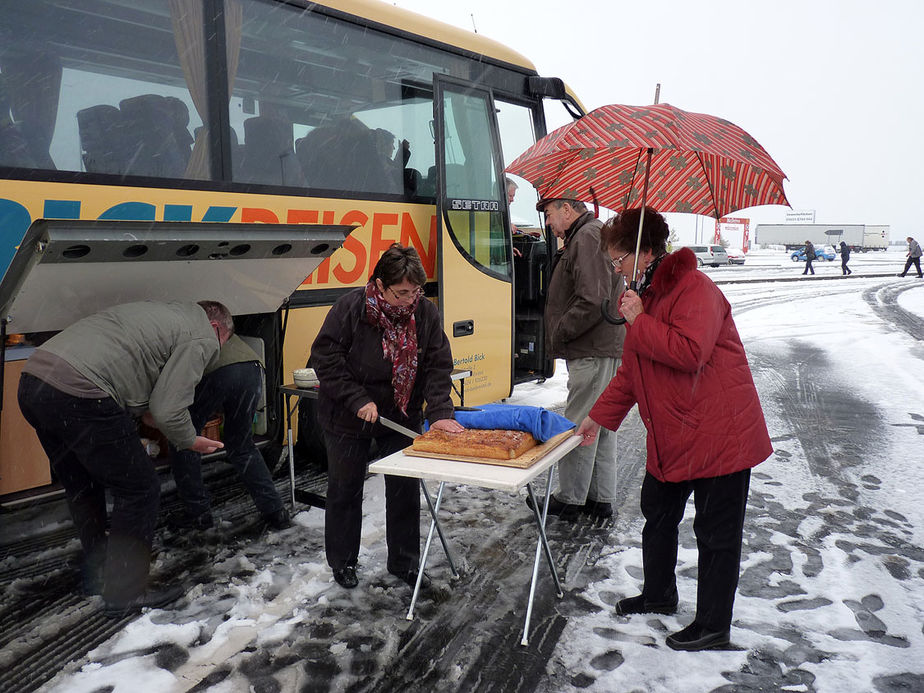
point(381, 350)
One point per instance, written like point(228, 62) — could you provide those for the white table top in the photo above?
point(486, 475)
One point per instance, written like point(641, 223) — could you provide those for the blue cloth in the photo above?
point(541, 423)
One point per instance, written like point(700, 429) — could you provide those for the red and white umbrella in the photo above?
point(660, 156)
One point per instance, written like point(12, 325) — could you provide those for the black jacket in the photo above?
point(352, 369)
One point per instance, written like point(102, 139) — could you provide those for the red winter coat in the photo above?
point(684, 365)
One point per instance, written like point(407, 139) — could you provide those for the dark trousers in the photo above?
point(916, 261)
point(347, 458)
point(720, 504)
point(234, 391)
point(93, 445)
point(808, 265)
point(844, 269)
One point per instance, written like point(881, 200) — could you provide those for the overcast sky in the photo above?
point(833, 89)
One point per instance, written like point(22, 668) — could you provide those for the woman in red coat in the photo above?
point(684, 365)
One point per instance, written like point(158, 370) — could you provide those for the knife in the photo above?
point(388, 423)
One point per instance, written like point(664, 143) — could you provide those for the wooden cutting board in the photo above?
point(527, 459)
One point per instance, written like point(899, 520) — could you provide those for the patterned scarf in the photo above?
point(399, 340)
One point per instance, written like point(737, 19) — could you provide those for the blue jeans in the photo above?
point(93, 445)
point(234, 391)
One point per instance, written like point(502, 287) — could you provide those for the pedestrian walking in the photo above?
point(914, 257)
point(845, 258)
point(809, 257)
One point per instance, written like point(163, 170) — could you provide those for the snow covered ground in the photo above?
point(832, 582)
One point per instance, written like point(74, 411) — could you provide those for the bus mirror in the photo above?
point(547, 87)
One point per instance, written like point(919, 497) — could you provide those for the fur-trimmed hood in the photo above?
point(671, 270)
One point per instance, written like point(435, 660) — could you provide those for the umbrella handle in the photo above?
point(605, 308)
point(605, 312)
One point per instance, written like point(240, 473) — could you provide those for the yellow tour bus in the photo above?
point(348, 112)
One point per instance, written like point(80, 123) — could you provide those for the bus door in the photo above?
point(474, 248)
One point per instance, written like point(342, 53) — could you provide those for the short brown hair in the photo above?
point(398, 263)
point(621, 232)
point(219, 313)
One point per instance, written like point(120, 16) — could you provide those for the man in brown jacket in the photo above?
point(582, 277)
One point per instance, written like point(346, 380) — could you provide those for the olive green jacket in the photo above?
point(147, 356)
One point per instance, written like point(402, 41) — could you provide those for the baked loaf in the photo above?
point(494, 444)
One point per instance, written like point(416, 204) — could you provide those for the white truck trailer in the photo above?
point(857, 236)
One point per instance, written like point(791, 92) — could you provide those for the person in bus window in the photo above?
point(232, 386)
point(582, 277)
point(381, 351)
point(81, 391)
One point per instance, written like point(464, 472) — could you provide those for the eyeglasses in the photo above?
point(618, 261)
point(405, 294)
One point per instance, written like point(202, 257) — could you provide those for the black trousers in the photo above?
point(808, 266)
point(234, 390)
point(844, 268)
point(347, 458)
point(93, 445)
point(916, 261)
point(720, 504)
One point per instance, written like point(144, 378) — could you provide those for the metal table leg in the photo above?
point(434, 523)
point(542, 544)
point(291, 450)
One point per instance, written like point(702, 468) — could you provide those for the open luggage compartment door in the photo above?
point(65, 270)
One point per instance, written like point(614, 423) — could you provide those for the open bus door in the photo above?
point(475, 267)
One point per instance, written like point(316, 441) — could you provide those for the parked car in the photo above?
point(825, 252)
point(713, 255)
point(735, 256)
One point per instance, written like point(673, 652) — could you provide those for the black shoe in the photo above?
point(183, 521)
point(410, 577)
point(598, 509)
point(151, 599)
point(695, 637)
point(638, 605)
point(346, 576)
point(565, 511)
point(279, 519)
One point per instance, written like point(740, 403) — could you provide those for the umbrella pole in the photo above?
point(633, 284)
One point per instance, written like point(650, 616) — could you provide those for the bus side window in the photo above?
point(342, 155)
point(31, 88)
point(268, 153)
point(100, 129)
point(14, 151)
point(149, 124)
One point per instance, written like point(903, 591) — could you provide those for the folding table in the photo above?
point(501, 478)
